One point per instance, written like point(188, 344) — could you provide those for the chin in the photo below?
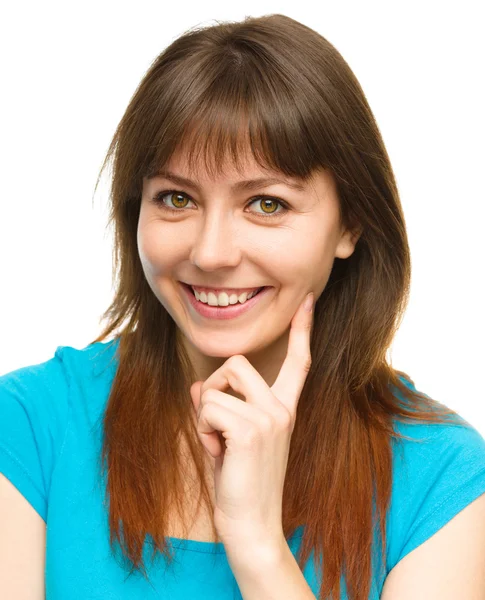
point(223, 350)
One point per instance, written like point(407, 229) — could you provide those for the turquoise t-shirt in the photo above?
point(50, 439)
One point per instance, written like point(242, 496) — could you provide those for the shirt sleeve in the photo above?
point(436, 476)
point(34, 410)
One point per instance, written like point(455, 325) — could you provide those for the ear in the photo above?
point(347, 242)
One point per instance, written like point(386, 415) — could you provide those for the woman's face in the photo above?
point(211, 234)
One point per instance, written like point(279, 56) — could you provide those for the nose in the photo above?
point(216, 244)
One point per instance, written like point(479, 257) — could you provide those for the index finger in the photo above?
point(296, 366)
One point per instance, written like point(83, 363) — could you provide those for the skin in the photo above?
point(218, 240)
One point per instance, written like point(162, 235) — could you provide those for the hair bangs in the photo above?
point(227, 125)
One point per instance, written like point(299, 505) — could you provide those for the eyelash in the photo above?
point(157, 199)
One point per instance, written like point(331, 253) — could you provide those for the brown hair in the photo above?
point(293, 94)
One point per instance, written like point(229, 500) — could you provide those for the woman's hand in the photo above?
point(251, 457)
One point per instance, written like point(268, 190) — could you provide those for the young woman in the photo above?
point(225, 433)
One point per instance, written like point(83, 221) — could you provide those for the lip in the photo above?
point(222, 312)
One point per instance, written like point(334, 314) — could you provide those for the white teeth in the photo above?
point(223, 299)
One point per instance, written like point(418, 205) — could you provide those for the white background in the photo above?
point(68, 71)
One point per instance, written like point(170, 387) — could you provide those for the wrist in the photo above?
point(255, 552)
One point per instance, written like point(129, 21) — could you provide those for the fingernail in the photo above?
point(309, 302)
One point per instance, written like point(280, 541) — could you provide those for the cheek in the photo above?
point(302, 260)
point(158, 251)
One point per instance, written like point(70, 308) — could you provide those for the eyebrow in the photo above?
point(244, 185)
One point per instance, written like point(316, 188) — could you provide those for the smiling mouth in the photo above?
point(210, 309)
point(212, 299)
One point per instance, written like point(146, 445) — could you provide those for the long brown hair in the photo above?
point(276, 86)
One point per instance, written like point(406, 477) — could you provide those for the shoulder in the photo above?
point(38, 391)
point(438, 491)
point(43, 389)
point(449, 564)
point(34, 411)
point(37, 404)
